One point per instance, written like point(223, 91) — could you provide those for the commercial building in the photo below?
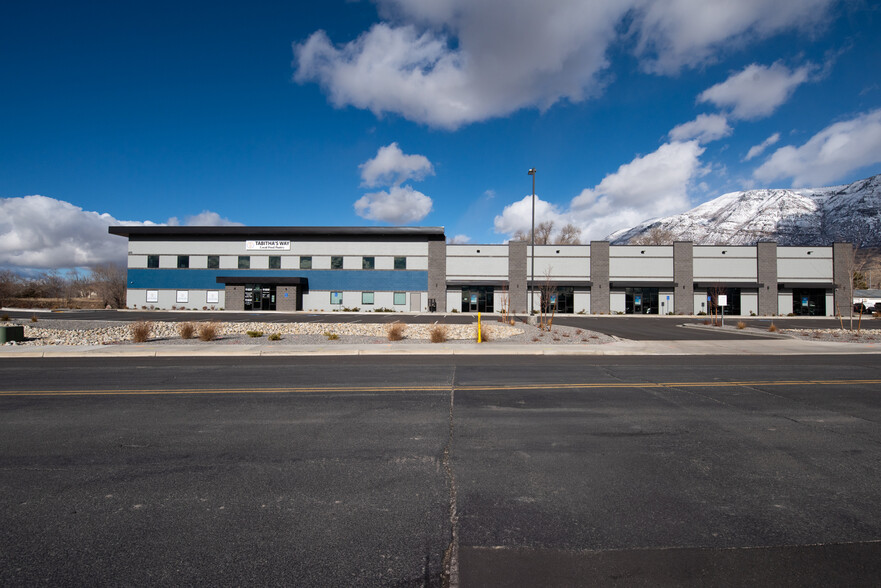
point(414, 269)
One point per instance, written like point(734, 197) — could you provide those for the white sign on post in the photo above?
point(723, 300)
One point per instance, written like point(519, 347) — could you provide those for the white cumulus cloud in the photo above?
point(649, 186)
point(829, 155)
point(757, 91)
point(676, 33)
point(391, 167)
point(400, 205)
point(757, 150)
point(45, 233)
point(517, 216)
point(705, 128)
point(206, 218)
point(447, 63)
point(460, 239)
point(38, 232)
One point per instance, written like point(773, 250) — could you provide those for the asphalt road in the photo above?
point(332, 471)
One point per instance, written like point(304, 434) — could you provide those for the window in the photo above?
point(212, 296)
point(306, 262)
point(152, 261)
point(368, 262)
point(244, 262)
point(400, 263)
point(213, 261)
point(152, 295)
point(183, 261)
point(400, 298)
point(336, 262)
point(336, 297)
point(274, 262)
point(366, 297)
point(183, 296)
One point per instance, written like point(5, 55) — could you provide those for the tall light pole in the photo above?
point(531, 172)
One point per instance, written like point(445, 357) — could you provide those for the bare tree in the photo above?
point(544, 234)
point(10, 284)
point(109, 281)
point(548, 305)
point(569, 235)
point(654, 236)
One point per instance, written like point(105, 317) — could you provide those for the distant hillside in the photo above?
point(813, 216)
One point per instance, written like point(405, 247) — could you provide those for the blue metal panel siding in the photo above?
point(352, 280)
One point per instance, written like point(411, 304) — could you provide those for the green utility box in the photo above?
point(11, 333)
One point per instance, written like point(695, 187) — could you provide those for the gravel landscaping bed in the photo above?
point(61, 332)
point(843, 335)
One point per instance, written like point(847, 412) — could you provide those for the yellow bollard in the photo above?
point(478, 328)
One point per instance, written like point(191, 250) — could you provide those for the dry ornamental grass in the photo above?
point(141, 331)
point(437, 334)
point(208, 331)
point(395, 331)
point(186, 330)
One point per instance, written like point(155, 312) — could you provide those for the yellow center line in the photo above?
point(439, 388)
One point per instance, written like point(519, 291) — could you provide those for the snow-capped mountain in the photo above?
point(814, 216)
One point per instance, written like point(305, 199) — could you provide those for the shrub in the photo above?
point(4, 318)
point(437, 334)
point(275, 337)
point(331, 336)
point(33, 318)
point(141, 331)
point(772, 328)
point(484, 334)
point(186, 330)
point(455, 310)
point(384, 309)
point(208, 331)
point(395, 331)
point(254, 334)
point(741, 325)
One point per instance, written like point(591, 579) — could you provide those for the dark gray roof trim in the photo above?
point(431, 233)
point(561, 283)
point(642, 284)
point(728, 284)
point(793, 285)
point(266, 280)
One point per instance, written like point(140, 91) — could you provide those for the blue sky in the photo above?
point(419, 112)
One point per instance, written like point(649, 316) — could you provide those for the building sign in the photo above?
point(265, 245)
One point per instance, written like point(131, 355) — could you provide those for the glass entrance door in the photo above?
point(641, 300)
point(259, 297)
point(809, 301)
point(477, 299)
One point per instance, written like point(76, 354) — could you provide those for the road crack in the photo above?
point(451, 554)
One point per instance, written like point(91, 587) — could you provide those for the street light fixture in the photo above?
point(531, 172)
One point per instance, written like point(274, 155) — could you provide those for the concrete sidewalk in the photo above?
point(781, 347)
